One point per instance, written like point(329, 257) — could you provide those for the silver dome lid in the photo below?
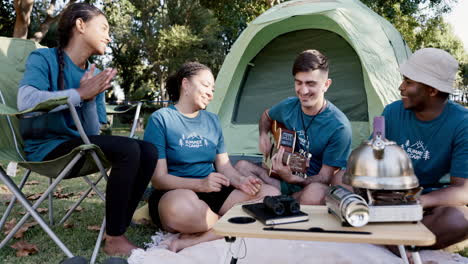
point(380, 164)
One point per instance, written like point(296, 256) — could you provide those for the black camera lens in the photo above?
point(274, 205)
point(294, 207)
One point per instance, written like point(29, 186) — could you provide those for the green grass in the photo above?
point(464, 252)
point(78, 239)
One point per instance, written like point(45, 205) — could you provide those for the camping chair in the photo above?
point(13, 54)
point(126, 109)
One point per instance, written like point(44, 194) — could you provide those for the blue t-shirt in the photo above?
point(329, 133)
point(436, 147)
point(189, 145)
point(44, 133)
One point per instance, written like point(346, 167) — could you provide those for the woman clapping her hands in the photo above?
point(83, 31)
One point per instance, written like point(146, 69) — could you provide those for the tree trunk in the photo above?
point(163, 90)
point(44, 27)
point(23, 10)
point(274, 2)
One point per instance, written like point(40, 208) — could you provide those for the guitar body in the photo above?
point(282, 137)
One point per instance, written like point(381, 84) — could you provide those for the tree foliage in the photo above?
point(438, 34)
point(7, 17)
point(234, 15)
point(423, 9)
point(151, 39)
point(34, 18)
point(409, 16)
point(421, 24)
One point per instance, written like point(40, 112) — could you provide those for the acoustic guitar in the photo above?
point(298, 161)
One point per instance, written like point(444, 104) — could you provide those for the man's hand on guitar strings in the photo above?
point(283, 170)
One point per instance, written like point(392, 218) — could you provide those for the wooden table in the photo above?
point(413, 234)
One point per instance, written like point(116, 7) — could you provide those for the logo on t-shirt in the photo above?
point(193, 140)
point(302, 138)
point(416, 151)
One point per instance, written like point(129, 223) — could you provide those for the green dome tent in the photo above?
point(364, 50)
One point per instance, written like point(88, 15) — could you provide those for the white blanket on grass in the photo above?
point(274, 251)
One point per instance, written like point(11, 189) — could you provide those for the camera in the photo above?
point(282, 204)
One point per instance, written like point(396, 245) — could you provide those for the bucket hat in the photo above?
point(433, 67)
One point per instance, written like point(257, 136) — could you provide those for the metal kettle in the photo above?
point(380, 164)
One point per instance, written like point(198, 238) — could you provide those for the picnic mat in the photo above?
point(274, 251)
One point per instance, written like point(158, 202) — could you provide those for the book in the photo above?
point(263, 214)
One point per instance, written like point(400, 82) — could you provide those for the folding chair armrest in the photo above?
point(117, 111)
point(43, 107)
point(77, 121)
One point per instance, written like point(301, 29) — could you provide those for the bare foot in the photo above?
point(184, 241)
point(118, 246)
point(188, 240)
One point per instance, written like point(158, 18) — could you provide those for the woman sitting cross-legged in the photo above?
point(194, 179)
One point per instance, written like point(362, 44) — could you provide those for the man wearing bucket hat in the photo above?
point(433, 131)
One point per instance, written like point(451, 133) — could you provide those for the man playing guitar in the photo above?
point(321, 128)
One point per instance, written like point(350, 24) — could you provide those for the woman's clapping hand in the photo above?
point(92, 85)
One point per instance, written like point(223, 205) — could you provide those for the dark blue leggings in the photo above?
point(133, 163)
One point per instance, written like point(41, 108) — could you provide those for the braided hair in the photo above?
point(174, 82)
point(65, 30)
